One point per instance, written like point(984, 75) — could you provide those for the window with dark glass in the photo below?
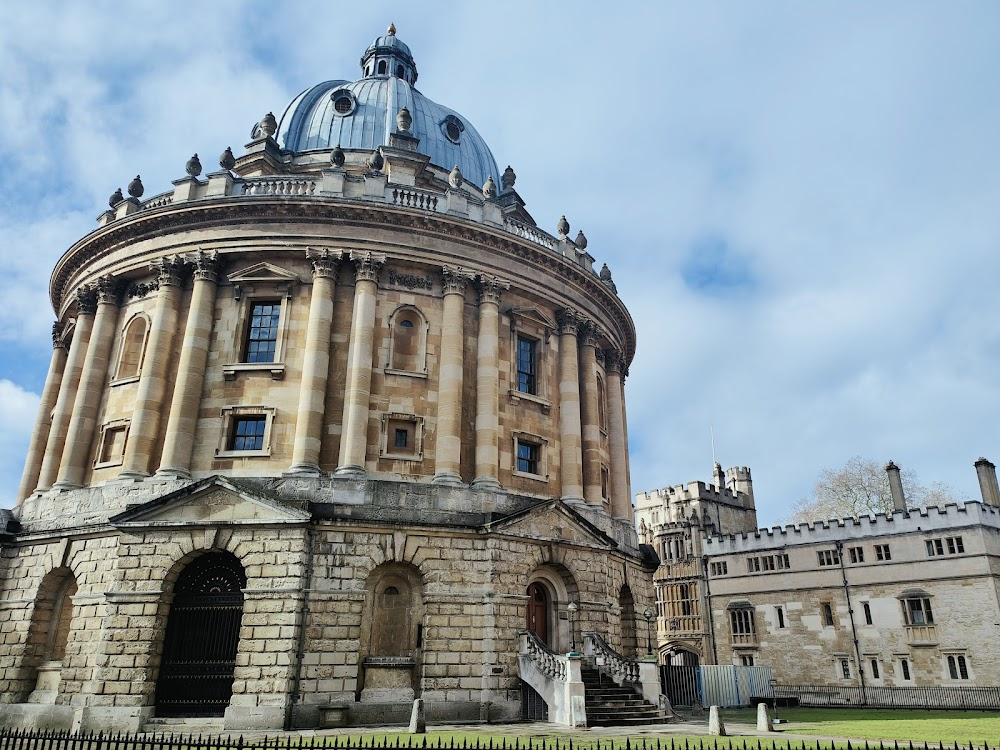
point(917, 612)
point(262, 332)
point(845, 668)
point(247, 434)
point(882, 552)
point(905, 667)
point(868, 613)
point(827, 614)
point(742, 622)
point(857, 554)
point(958, 669)
point(875, 673)
point(781, 617)
point(527, 365)
point(402, 438)
point(528, 456)
point(747, 660)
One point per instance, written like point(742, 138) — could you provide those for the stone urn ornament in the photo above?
point(375, 161)
point(193, 166)
point(227, 161)
point(455, 177)
point(507, 179)
point(581, 240)
point(116, 198)
point(135, 188)
point(489, 188)
point(404, 120)
point(563, 227)
point(338, 157)
point(268, 125)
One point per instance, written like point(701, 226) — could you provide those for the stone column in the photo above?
point(448, 448)
point(591, 418)
point(570, 431)
point(354, 430)
point(621, 496)
point(151, 394)
point(178, 441)
point(83, 422)
point(488, 383)
point(43, 421)
point(86, 306)
point(315, 363)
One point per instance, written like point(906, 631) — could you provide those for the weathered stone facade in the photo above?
point(358, 404)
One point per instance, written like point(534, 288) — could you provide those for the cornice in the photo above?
point(152, 223)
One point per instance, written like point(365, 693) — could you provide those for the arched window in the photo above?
point(407, 348)
point(381, 67)
point(132, 348)
point(602, 409)
point(399, 71)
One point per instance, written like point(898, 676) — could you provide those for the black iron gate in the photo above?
point(203, 632)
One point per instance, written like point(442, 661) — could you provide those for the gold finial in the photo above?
point(392, 29)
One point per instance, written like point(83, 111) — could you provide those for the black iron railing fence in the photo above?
point(873, 696)
point(11, 739)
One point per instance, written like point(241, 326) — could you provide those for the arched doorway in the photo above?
point(537, 615)
point(203, 633)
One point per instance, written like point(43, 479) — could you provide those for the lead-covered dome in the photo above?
point(362, 114)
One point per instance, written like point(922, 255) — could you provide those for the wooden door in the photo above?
point(537, 620)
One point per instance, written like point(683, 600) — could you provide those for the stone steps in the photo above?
point(609, 704)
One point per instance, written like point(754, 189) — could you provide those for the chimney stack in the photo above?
point(987, 473)
point(896, 487)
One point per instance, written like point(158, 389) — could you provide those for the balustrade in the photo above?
point(622, 669)
point(548, 661)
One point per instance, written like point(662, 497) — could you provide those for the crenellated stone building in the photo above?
point(906, 599)
point(323, 430)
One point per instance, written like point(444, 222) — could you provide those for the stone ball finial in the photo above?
point(403, 120)
point(507, 178)
point(489, 188)
point(193, 166)
point(391, 31)
point(268, 125)
point(337, 156)
point(116, 198)
point(227, 160)
point(581, 240)
point(562, 227)
point(455, 178)
point(375, 161)
point(135, 188)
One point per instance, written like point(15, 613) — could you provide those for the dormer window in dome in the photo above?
point(452, 128)
point(344, 102)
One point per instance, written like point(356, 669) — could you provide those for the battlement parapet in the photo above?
point(915, 521)
point(683, 493)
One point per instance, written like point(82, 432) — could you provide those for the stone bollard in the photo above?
point(418, 723)
point(715, 726)
point(764, 718)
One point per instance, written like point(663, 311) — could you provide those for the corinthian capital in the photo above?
point(491, 288)
point(455, 279)
point(569, 321)
point(108, 291)
point(57, 330)
point(367, 265)
point(326, 264)
point(169, 271)
point(86, 299)
point(614, 360)
point(206, 265)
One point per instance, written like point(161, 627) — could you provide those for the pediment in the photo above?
point(554, 520)
point(262, 276)
point(532, 315)
point(213, 501)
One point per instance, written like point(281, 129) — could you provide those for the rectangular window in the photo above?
point(248, 433)
point(954, 544)
point(868, 613)
point(605, 483)
point(827, 614)
point(402, 438)
point(753, 565)
point(904, 666)
point(875, 672)
point(857, 554)
point(882, 552)
point(112, 449)
point(958, 668)
point(527, 364)
point(742, 623)
point(528, 457)
point(782, 561)
point(845, 668)
point(917, 612)
point(828, 557)
point(768, 562)
point(262, 332)
point(719, 568)
point(746, 660)
point(781, 617)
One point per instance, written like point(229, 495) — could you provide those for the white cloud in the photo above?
point(17, 413)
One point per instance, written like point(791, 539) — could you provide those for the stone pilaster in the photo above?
point(43, 420)
point(448, 448)
point(621, 495)
point(86, 306)
point(590, 417)
point(83, 422)
point(315, 363)
point(570, 431)
point(152, 390)
point(354, 436)
point(488, 383)
point(178, 442)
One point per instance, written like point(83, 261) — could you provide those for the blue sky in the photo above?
point(799, 201)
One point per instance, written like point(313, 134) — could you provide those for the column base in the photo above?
point(486, 483)
point(352, 471)
point(64, 486)
point(448, 479)
point(574, 500)
point(132, 475)
point(172, 472)
point(302, 470)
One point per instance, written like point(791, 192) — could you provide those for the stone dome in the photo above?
point(362, 114)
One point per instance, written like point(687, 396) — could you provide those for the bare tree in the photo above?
point(861, 488)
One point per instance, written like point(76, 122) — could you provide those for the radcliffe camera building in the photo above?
point(327, 426)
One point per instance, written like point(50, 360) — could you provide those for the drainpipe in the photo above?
point(854, 630)
point(300, 647)
point(708, 609)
